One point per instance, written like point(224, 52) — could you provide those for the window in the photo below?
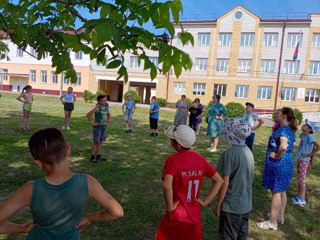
point(78, 55)
point(238, 15)
point(199, 89)
point(314, 68)
point(43, 76)
point(154, 60)
point(267, 65)
point(247, 39)
point(201, 64)
point(293, 39)
point(244, 65)
point(64, 79)
point(134, 63)
point(264, 92)
point(54, 77)
point(19, 52)
point(3, 74)
point(78, 82)
point(241, 91)
point(312, 95)
point(220, 89)
point(316, 40)
point(291, 67)
point(33, 52)
point(32, 75)
point(224, 39)
point(179, 87)
point(270, 39)
point(288, 94)
point(203, 39)
point(222, 65)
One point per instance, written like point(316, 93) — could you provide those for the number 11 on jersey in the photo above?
point(191, 183)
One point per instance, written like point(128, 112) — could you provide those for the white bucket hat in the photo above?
point(183, 134)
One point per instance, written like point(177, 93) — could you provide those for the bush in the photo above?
point(298, 115)
point(162, 102)
point(100, 92)
point(235, 109)
point(189, 101)
point(135, 96)
point(88, 96)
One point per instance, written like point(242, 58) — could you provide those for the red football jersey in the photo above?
point(188, 169)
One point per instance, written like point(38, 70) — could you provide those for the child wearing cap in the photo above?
point(307, 148)
point(236, 167)
point(182, 176)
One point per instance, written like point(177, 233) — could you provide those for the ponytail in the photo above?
point(293, 124)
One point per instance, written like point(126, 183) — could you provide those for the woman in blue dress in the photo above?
point(216, 112)
point(279, 166)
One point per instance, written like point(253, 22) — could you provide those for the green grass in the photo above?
point(132, 172)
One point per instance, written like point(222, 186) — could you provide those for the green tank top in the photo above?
point(57, 209)
point(100, 117)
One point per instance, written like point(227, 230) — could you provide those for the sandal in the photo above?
point(266, 225)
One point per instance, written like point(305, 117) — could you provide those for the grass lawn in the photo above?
point(132, 172)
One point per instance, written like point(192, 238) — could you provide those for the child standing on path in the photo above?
point(27, 101)
point(128, 108)
point(182, 176)
point(68, 103)
point(154, 117)
point(100, 123)
point(57, 201)
point(307, 148)
point(195, 114)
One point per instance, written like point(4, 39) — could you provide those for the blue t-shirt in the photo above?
point(68, 97)
point(153, 107)
point(305, 146)
point(129, 104)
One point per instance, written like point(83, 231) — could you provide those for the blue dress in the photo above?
point(278, 172)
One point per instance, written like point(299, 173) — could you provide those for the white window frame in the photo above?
point(312, 95)
point(268, 65)
point(264, 92)
point(19, 52)
point(222, 64)
point(244, 65)
point(247, 39)
point(32, 75)
point(204, 39)
point(179, 88)
point(270, 39)
point(316, 40)
point(134, 62)
point(293, 39)
point(291, 67)
point(54, 77)
point(314, 68)
point(78, 82)
point(288, 94)
point(154, 60)
point(43, 76)
point(225, 39)
point(3, 74)
point(220, 89)
point(78, 55)
point(64, 80)
point(201, 64)
point(199, 89)
point(241, 91)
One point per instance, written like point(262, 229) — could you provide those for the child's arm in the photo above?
point(19, 98)
point(62, 100)
point(89, 116)
point(112, 209)
point(21, 198)
point(168, 193)
point(222, 193)
point(316, 148)
point(108, 117)
point(123, 107)
point(215, 186)
point(74, 98)
point(133, 107)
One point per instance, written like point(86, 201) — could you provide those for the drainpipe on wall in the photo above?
point(279, 68)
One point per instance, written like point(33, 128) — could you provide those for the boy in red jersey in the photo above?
point(182, 176)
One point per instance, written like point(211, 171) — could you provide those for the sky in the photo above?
point(261, 8)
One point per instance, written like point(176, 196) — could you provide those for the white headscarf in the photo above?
point(235, 130)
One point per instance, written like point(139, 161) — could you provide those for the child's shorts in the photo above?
point(99, 134)
point(153, 123)
point(68, 107)
point(128, 115)
point(27, 107)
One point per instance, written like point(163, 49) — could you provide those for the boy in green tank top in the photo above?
point(58, 201)
point(101, 120)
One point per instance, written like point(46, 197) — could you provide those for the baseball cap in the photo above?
point(249, 104)
point(183, 134)
point(235, 130)
point(315, 127)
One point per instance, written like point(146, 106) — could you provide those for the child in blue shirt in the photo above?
point(128, 108)
point(154, 116)
point(307, 148)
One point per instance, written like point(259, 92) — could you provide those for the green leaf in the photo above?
point(114, 64)
point(177, 69)
point(153, 72)
point(176, 8)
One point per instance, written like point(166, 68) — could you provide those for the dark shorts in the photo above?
point(193, 125)
point(99, 134)
point(153, 123)
point(233, 226)
point(68, 107)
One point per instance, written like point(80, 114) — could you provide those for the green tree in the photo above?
point(49, 26)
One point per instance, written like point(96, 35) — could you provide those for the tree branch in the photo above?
point(72, 10)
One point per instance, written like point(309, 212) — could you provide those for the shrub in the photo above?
point(162, 102)
point(88, 96)
point(135, 96)
point(235, 109)
point(189, 101)
point(100, 92)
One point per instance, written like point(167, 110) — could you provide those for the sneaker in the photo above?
point(266, 225)
point(93, 159)
point(151, 134)
point(298, 201)
point(63, 127)
point(68, 128)
point(156, 135)
point(99, 158)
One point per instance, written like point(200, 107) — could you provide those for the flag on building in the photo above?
point(296, 51)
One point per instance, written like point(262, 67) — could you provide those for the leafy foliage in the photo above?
point(298, 115)
point(235, 109)
point(50, 26)
point(135, 96)
point(162, 102)
point(88, 96)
